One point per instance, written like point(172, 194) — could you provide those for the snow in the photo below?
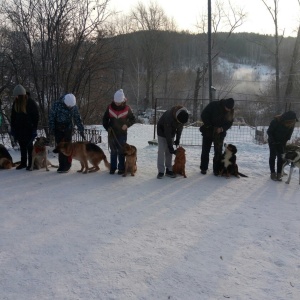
point(102, 236)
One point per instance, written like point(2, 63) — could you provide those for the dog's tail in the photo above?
point(107, 164)
point(242, 175)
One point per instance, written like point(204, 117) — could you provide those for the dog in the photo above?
point(179, 162)
point(130, 153)
point(6, 161)
point(292, 157)
point(288, 148)
point(39, 154)
point(84, 152)
point(227, 164)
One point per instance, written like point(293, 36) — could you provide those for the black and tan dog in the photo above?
point(227, 163)
point(39, 154)
point(130, 153)
point(179, 162)
point(84, 152)
point(6, 161)
point(291, 157)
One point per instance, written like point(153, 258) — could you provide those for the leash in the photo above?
point(112, 137)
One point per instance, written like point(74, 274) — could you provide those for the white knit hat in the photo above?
point(70, 100)
point(119, 96)
point(19, 90)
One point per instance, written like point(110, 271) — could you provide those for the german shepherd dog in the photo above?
point(84, 152)
point(6, 161)
point(39, 154)
point(292, 157)
point(130, 153)
point(179, 162)
point(227, 163)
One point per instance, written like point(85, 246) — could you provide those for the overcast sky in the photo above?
point(259, 19)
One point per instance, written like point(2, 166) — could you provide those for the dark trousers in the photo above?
point(117, 157)
point(276, 151)
point(206, 146)
point(64, 162)
point(26, 148)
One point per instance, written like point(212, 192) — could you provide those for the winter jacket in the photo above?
point(116, 116)
point(168, 126)
point(63, 118)
point(24, 125)
point(278, 133)
point(214, 115)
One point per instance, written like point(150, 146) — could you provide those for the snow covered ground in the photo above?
point(101, 236)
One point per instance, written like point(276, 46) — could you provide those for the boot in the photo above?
point(279, 177)
point(273, 176)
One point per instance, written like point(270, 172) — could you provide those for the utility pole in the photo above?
point(210, 86)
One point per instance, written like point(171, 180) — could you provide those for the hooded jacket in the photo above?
point(278, 132)
point(214, 115)
point(168, 126)
point(61, 114)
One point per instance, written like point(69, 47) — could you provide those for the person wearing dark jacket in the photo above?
point(63, 115)
point(117, 118)
point(24, 123)
point(279, 132)
point(217, 118)
point(169, 125)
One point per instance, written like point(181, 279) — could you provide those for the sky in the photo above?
point(258, 20)
point(101, 236)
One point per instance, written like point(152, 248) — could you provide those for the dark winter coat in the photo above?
point(214, 115)
point(116, 116)
point(168, 126)
point(63, 118)
point(278, 133)
point(24, 125)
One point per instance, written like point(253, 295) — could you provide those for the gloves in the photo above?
point(176, 142)
point(172, 151)
point(83, 136)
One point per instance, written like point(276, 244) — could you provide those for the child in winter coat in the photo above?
point(117, 118)
point(279, 132)
point(24, 122)
point(63, 114)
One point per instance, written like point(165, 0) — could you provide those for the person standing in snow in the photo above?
point(279, 132)
point(117, 118)
point(217, 118)
point(63, 114)
point(24, 123)
point(169, 125)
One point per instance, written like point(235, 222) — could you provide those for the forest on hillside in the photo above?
point(52, 48)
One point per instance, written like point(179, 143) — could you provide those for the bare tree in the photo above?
point(151, 21)
point(274, 14)
point(63, 48)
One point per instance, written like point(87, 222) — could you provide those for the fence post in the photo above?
point(155, 108)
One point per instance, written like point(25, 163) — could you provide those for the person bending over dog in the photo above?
point(217, 118)
point(170, 124)
point(24, 122)
point(64, 112)
point(279, 132)
point(117, 118)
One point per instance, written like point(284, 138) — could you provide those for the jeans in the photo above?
point(276, 151)
point(117, 157)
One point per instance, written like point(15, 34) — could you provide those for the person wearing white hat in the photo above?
point(63, 114)
point(24, 123)
point(117, 118)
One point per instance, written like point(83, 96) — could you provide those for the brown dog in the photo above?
point(130, 153)
point(179, 163)
point(84, 152)
point(39, 154)
point(6, 161)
